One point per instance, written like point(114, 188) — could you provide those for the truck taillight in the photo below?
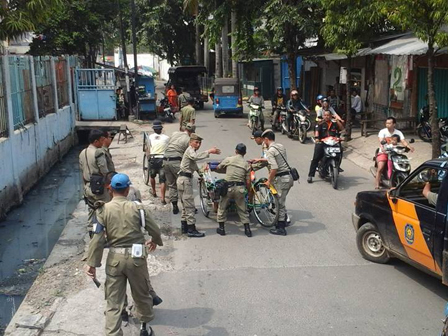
point(217, 100)
point(240, 101)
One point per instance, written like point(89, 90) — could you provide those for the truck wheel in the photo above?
point(370, 244)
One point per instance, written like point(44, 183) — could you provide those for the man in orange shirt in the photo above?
point(172, 96)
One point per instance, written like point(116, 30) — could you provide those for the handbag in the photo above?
point(293, 171)
point(96, 180)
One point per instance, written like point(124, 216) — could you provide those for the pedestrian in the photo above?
point(157, 145)
point(93, 164)
point(327, 127)
point(183, 98)
point(188, 114)
point(334, 100)
point(258, 100)
point(122, 222)
point(237, 172)
point(356, 104)
point(177, 145)
point(172, 96)
point(106, 144)
point(188, 166)
point(280, 177)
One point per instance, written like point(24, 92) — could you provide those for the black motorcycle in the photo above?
point(165, 110)
point(277, 118)
point(329, 165)
point(424, 126)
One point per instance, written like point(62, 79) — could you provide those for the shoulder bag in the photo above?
point(293, 171)
point(96, 180)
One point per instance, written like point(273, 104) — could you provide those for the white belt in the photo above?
point(156, 156)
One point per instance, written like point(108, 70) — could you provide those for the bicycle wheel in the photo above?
point(265, 206)
point(145, 170)
point(206, 202)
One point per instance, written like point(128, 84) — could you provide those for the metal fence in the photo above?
point(21, 90)
point(60, 66)
point(3, 110)
point(44, 85)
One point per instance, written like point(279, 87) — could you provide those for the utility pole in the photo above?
point(134, 45)
point(125, 59)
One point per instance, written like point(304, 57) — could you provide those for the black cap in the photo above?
point(190, 100)
point(257, 134)
point(241, 148)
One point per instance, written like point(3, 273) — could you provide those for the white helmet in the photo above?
point(294, 92)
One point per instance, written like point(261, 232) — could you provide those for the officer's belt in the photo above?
point(156, 156)
point(121, 250)
point(282, 174)
point(176, 158)
point(189, 175)
point(238, 184)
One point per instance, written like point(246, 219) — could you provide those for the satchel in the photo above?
point(293, 171)
point(221, 188)
point(96, 180)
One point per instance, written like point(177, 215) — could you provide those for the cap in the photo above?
point(266, 132)
point(257, 134)
point(120, 181)
point(190, 127)
point(157, 124)
point(195, 136)
point(324, 99)
point(241, 148)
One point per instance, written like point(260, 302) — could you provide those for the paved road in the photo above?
point(311, 282)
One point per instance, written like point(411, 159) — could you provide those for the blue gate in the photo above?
point(96, 94)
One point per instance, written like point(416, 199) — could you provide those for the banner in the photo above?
point(398, 76)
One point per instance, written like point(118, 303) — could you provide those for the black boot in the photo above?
point(193, 233)
point(184, 227)
point(175, 208)
point(221, 230)
point(247, 230)
point(279, 229)
point(144, 330)
point(124, 315)
point(156, 300)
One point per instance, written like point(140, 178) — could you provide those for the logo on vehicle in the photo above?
point(409, 234)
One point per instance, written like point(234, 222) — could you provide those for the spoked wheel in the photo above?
point(266, 206)
point(308, 124)
point(302, 134)
point(145, 170)
point(206, 202)
point(423, 133)
point(334, 171)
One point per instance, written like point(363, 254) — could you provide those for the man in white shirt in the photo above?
point(157, 145)
point(385, 135)
point(356, 102)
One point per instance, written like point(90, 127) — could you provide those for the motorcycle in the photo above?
point(277, 118)
point(329, 165)
point(165, 110)
point(254, 117)
point(424, 127)
point(300, 125)
point(400, 168)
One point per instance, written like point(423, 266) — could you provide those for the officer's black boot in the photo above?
point(221, 230)
point(156, 300)
point(193, 233)
point(175, 208)
point(279, 229)
point(124, 315)
point(184, 227)
point(144, 330)
point(247, 230)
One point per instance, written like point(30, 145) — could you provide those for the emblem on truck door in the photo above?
point(409, 234)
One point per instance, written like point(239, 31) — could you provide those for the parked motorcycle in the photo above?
point(400, 169)
point(255, 112)
point(165, 110)
point(329, 165)
point(279, 113)
point(424, 127)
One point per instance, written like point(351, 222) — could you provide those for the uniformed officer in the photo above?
point(122, 221)
point(188, 166)
point(178, 144)
point(261, 162)
point(183, 98)
point(238, 179)
point(188, 114)
point(106, 144)
point(93, 163)
point(279, 176)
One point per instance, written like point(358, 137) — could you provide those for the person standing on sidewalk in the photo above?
point(280, 177)
point(178, 144)
point(122, 222)
point(106, 144)
point(93, 164)
point(237, 172)
point(188, 114)
point(188, 166)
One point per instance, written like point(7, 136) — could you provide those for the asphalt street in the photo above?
point(311, 282)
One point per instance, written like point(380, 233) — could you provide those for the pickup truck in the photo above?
point(404, 223)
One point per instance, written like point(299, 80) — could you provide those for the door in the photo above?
point(414, 216)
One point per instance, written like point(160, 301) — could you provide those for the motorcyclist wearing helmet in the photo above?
point(326, 107)
point(318, 103)
point(294, 104)
point(257, 99)
point(278, 99)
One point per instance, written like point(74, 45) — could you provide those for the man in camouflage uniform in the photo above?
point(122, 221)
point(188, 166)
point(238, 179)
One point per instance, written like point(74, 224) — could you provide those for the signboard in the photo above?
point(398, 75)
point(343, 76)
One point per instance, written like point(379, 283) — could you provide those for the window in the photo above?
point(228, 89)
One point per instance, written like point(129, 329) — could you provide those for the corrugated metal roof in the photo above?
point(338, 57)
point(406, 45)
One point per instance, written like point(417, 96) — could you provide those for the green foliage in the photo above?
point(166, 29)
point(21, 16)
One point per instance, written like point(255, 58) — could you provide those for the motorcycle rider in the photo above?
point(326, 107)
point(327, 127)
point(318, 103)
point(278, 99)
point(385, 135)
point(294, 104)
point(257, 99)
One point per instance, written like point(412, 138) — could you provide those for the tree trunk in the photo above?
point(198, 53)
point(218, 60)
point(233, 39)
point(433, 104)
point(348, 103)
point(206, 55)
point(225, 48)
point(291, 59)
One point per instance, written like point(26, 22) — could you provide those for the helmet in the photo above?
point(294, 92)
point(279, 88)
point(324, 99)
point(256, 88)
point(319, 97)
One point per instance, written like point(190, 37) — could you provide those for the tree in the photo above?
point(424, 18)
point(348, 25)
point(289, 24)
point(21, 16)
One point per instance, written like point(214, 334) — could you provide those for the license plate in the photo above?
point(334, 150)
